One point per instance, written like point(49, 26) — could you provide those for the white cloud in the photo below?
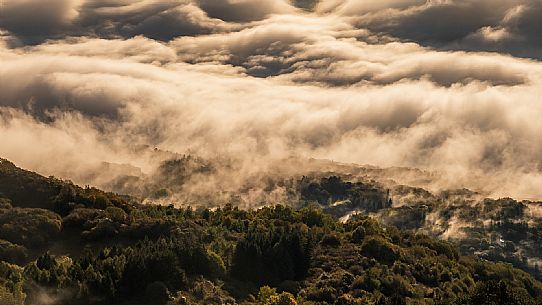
point(291, 83)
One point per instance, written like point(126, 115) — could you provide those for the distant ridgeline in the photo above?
point(66, 245)
point(342, 197)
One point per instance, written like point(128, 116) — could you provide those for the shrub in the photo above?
point(358, 235)
point(284, 298)
point(331, 240)
point(380, 249)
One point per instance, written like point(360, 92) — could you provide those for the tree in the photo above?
point(498, 293)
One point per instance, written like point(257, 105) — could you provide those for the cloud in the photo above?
point(331, 52)
point(515, 33)
point(162, 20)
point(487, 25)
point(473, 126)
point(351, 7)
point(32, 19)
point(244, 10)
point(256, 83)
point(32, 22)
point(501, 26)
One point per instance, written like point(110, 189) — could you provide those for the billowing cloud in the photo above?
point(486, 25)
point(259, 82)
point(352, 7)
point(244, 10)
point(162, 20)
point(32, 22)
point(33, 19)
point(482, 25)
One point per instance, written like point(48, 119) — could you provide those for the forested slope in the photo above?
point(63, 244)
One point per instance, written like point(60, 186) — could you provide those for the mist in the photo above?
point(261, 89)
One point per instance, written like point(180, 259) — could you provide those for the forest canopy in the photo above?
point(86, 246)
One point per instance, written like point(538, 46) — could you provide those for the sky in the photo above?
point(447, 86)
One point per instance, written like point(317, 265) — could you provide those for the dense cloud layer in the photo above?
point(485, 25)
point(83, 82)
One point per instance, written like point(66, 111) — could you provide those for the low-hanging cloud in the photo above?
point(110, 80)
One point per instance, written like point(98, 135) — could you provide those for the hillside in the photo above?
point(63, 244)
point(496, 229)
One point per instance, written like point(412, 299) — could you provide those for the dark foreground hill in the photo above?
point(63, 244)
